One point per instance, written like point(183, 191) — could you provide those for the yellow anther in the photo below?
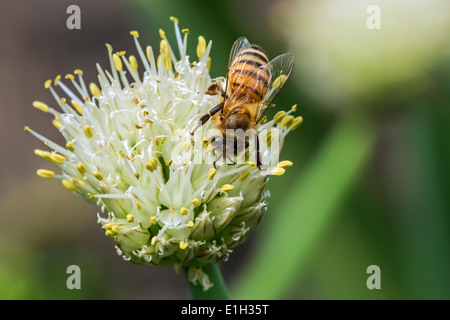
point(78, 182)
point(263, 120)
point(211, 173)
point(245, 174)
point(26, 128)
point(162, 34)
point(104, 188)
point(172, 18)
point(58, 158)
point(133, 62)
point(287, 121)
point(108, 226)
point(278, 82)
point(48, 83)
point(190, 224)
point(95, 90)
point(115, 229)
point(152, 164)
point(153, 241)
point(184, 211)
point(294, 108)
point(48, 174)
point(186, 31)
point(137, 175)
point(63, 101)
point(183, 245)
point(98, 175)
point(77, 106)
point(278, 116)
point(208, 63)
point(134, 34)
point(109, 47)
point(81, 168)
point(68, 185)
point(117, 62)
point(90, 196)
point(86, 99)
point(138, 205)
point(121, 53)
point(56, 117)
point(109, 233)
point(201, 47)
point(285, 164)
point(167, 62)
point(70, 146)
point(88, 131)
point(169, 162)
point(153, 220)
point(78, 71)
point(147, 52)
point(186, 146)
point(43, 154)
point(158, 60)
point(41, 106)
point(57, 78)
point(251, 164)
point(122, 154)
point(57, 124)
point(278, 171)
point(195, 202)
point(69, 76)
point(297, 121)
point(130, 217)
point(227, 187)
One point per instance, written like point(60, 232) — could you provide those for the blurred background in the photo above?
point(370, 180)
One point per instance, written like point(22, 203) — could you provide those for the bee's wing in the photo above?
point(239, 45)
point(280, 69)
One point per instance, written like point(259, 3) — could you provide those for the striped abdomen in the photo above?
point(246, 75)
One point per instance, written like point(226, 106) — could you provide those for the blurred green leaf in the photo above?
point(293, 229)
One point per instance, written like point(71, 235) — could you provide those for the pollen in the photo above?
point(174, 19)
point(81, 168)
point(95, 91)
point(57, 78)
point(184, 211)
point(41, 106)
point(138, 205)
point(98, 175)
point(201, 47)
point(134, 33)
point(190, 224)
point(88, 131)
point(78, 71)
point(152, 164)
point(195, 202)
point(77, 106)
point(186, 31)
point(43, 154)
point(69, 76)
point(162, 34)
point(183, 245)
point(278, 83)
point(285, 164)
point(70, 146)
point(48, 174)
point(63, 101)
point(278, 116)
point(153, 220)
point(211, 173)
point(278, 171)
point(58, 158)
point(48, 83)
point(287, 121)
point(109, 233)
point(227, 187)
point(57, 124)
point(294, 108)
point(133, 62)
point(296, 123)
point(68, 185)
point(117, 62)
point(153, 241)
point(130, 218)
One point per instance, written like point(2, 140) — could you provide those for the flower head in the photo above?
point(129, 151)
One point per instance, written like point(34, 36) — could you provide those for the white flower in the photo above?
point(129, 150)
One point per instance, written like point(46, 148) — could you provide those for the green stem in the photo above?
point(292, 232)
point(218, 291)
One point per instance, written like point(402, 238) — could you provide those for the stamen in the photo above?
point(153, 220)
point(278, 116)
point(77, 106)
point(195, 202)
point(117, 62)
point(297, 121)
point(190, 224)
point(70, 146)
point(134, 34)
point(69, 76)
point(138, 205)
point(153, 241)
point(227, 187)
point(278, 171)
point(57, 124)
point(57, 78)
point(130, 218)
point(68, 185)
point(95, 91)
point(285, 164)
point(57, 158)
point(88, 131)
point(81, 168)
point(184, 211)
point(294, 108)
point(98, 175)
point(174, 19)
point(48, 174)
point(286, 122)
point(41, 106)
point(48, 83)
point(133, 62)
point(183, 245)
point(201, 47)
point(211, 173)
point(162, 34)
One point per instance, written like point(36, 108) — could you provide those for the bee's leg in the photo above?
point(232, 161)
point(258, 155)
point(206, 116)
point(215, 88)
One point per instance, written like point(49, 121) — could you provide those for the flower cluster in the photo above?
point(159, 206)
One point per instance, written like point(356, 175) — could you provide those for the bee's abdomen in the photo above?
point(248, 74)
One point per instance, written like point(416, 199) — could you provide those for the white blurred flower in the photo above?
point(129, 150)
point(342, 62)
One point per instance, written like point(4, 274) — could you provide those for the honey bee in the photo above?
point(251, 85)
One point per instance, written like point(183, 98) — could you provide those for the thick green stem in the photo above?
point(292, 231)
point(218, 291)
